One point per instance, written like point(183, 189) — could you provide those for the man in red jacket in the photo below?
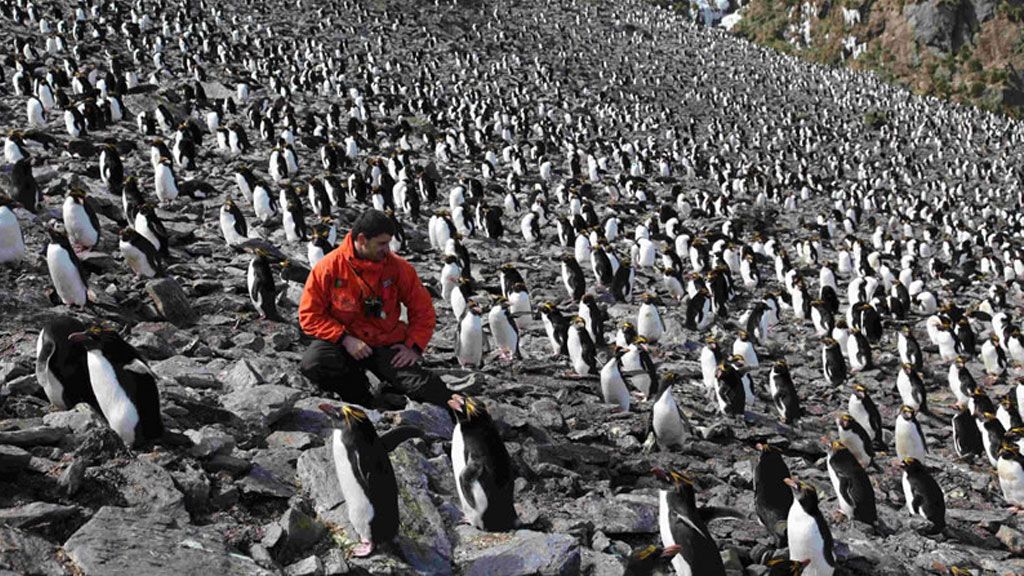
point(351, 305)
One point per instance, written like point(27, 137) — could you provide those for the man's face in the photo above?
point(375, 248)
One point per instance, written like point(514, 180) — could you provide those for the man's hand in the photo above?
point(356, 348)
point(404, 357)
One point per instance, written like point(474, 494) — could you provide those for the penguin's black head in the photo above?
point(783, 567)
point(844, 421)
point(644, 560)
point(911, 464)
point(907, 413)
point(351, 416)
point(804, 492)
point(93, 337)
point(128, 234)
point(1009, 450)
point(836, 446)
point(467, 409)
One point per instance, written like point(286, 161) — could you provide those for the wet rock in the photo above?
point(262, 405)
point(129, 542)
point(516, 553)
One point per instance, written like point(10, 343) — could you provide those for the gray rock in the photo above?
point(621, 513)
point(262, 405)
point(27, 385)
point(38, 436)
point(934, 23)
point(149, 487)
point(171, 302)
point(310, 566)
point(188, 372)
point(334, 563)
point(433, 420)
point(295, 440)
point(24, 553)
point(315, 470)
point(547, 414)
point(518, 553)
point(13, 460)
point(233, 465)
point(194, 486)
point(36, 514)
point(78, 419)
point(422, 537)
point(1012, 538)
point(130, 542)
point(71, 478)
point(600, 564)
point(209, 441)
point(298, 533)
point(261, 481)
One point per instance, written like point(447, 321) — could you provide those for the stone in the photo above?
point(189, 372)
point(309, 566)
point(37, 436)
point(547, 414)
point(934, 23)
point(149, 487)
point(621, 513)
point(519, 553)
point(171, 302)
point(241, 375)
point(233, 465)
point(130, 542)
point(433, 420)
point(193, 485)
point(289, 439)
point(600, 564)
point(299, 532)
point(261, 481)
point(262, 405)
point(71, 478)
point(24, 553)
point(78, 419)
point(36, 514)
point(210, 440)
point(1012, 538)
point(315, 470)
point(334, 563)
point(13, 460)
point(422, 537)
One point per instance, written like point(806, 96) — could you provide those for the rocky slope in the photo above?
point(968, 51)
point(255, 492)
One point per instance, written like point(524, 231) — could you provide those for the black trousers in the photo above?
point(332, 368)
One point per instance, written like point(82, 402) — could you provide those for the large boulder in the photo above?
point(130, 542)
point(519, 553)
point(934, 23)
point(262, 405)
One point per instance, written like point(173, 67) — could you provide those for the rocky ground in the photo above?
point(256, 492)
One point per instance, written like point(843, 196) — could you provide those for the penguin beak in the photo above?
point(331, 410)
point(671, 551)
point(792, 483)
point(78, 337)
point(456, 403)
point(660, 474)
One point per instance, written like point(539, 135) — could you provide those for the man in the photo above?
point(351, 305)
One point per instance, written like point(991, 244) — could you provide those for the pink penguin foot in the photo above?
point(363, 549)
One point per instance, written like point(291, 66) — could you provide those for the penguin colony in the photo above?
point(694, 246)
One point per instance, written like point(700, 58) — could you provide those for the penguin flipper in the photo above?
point(392, 438)
point(470, 474)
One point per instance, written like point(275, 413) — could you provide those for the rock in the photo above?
point(194, 486)
point(934, 23)
point(71, 478)
point(334, 563)
point(171, 302)
point(315, 470)
point(1012, 538)
point(36, 514)
point(27, 385)
point(422, 537)
point(547, 414)
point(78, 419)
point(261, 481)
point(241, 376)
point(130, 542)
point(24, 553)
point(518, 553)
point(621, 513)
point(149, 487)
point(298, 533)
point(188, 372)
point(38, 436)
point(12, 460)
point(433, 420)
point(310, 566)
point(226, 463)
point(294, 440)
point(210, 440)
point(262, 405)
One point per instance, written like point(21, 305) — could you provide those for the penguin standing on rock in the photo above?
point(365, 474)
point(680, 524)
point(772, 498)
point(124, 386)
point(966, 436)
point(582, 354)
point(923, 494)
point(833, 363)
point(68, 276)
point(469, 336)
point(262, 291)
point(1010, 470)
point(12, 241)
point(852, 485)
point(807, 533)
point(61, 367)
point(668, 424)
point(613, 385)
point(783, 393)
point(484, 477)
point(910, 439)
point(140, 254)
point(80, 221)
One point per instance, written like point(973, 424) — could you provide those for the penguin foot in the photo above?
point(839, 516)
point(362, 550)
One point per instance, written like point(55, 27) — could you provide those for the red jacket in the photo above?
point(332, 302)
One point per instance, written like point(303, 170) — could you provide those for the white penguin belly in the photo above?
point(846, 507)
point(471, 341)
point(648, 323)
point(117, 408)
point(473, 514)
point(668, 427)
point(681, 566)
point(579, 364)
point(137, 260)
point(805, 541)
point(360, 510)
point(12, 243)
point(66, 278)
point(613, 387)
point(79, 228)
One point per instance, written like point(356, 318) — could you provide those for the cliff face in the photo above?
point(968, 50)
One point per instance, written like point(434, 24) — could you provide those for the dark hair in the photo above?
point(373, 223)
